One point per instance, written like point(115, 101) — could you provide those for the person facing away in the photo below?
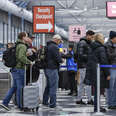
point(111, 53)
point(97, 55)
point(83, 48)
point(51, 71)
point(18, 72)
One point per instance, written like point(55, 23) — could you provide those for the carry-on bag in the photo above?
point(30, 94)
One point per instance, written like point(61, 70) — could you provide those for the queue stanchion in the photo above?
point(98, 113)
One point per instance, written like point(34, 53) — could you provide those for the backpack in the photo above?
point(9, 56)
point(42, 54)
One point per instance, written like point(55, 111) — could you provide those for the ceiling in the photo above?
point(91, 13)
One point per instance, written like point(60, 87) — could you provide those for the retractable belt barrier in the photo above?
point(98, 85)
point(108, 66)
point(63, 66)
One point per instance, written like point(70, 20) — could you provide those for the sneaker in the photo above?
point(80, 102)
point(112, 107)
point(101, 110)
point(5, 107)
point(90, 102)
point(45, 106)
point(70, 93)
point(58, 108)
point(74, 94)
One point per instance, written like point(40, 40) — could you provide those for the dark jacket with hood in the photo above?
point(111, 52)
point(82, 52)
point(97, 54)
point(53, 58)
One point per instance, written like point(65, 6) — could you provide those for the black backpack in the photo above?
point(42, 54)
point(9, 56)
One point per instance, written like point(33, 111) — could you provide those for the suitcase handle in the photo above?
point(31, 73)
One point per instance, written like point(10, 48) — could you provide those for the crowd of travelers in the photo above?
point(81, 65)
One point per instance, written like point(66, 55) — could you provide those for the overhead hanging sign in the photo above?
point(43, 19)
point(76, 32)
point(111, 9)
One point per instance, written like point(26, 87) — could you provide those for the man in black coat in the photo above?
point(53, 60)
point(111, 53)
point(97, 55)
point(83, 48)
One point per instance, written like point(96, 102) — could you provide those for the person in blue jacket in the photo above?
point(72, 69)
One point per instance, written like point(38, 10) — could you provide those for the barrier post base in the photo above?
point(98, 114)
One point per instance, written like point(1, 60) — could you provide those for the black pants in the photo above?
point(72, 81)
point(60, 85)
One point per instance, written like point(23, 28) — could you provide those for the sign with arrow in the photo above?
point(43, 19)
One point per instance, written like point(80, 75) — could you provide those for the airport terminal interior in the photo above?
point(17, 16)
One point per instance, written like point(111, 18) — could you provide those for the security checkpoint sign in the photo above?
point(76, 32)
point(111, 9)
point(43, 19)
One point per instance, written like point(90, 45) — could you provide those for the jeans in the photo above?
point(18, 84)
point(111, 92)
point(82, 88)
point(51, 87)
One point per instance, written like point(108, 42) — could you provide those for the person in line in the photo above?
point(32, 55)
point(9, 45)
point(111, 53)
point(53, 61)
point(72, 69)
point(18, 72)
point(83, 48)
point(97, 55)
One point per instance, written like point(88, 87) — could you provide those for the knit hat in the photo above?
point(112, 34)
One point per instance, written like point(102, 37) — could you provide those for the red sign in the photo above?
point(76, 32)
point(43, 19)
point(111, 9)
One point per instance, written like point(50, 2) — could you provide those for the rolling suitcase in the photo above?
point(30, 94)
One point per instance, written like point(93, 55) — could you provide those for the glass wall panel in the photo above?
point(5, 33)
point(1, 32)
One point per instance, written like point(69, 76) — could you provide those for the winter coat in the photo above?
point(53, 57)
point(111, 52)
point(97, 54)
point(21, 57)
point(82, 52)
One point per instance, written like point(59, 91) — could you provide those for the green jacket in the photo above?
point(21, 57)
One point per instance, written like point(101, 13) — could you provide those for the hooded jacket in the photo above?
point(53, 58)
point(21, 57)
point(97, 55)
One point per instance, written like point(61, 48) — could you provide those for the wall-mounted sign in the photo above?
point(43, 19)
point(76, 32)
point(111, 9)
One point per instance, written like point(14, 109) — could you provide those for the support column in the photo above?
point(22, 24)
point(9, 26)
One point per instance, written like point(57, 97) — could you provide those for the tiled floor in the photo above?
point(68, 108)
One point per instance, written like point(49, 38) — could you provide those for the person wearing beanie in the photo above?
point(112, 34)
point(111, 53)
